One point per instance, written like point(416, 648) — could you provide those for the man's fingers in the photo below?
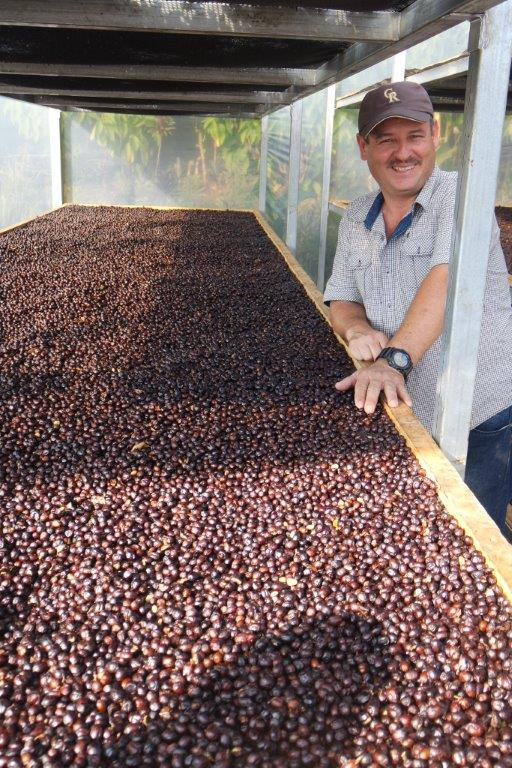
point(372, 396)
point(360, 391)
point(383, 340)
point(346, 383)
point(390, 390)
point(404, 394)
point(360, 350)
point(375, 347)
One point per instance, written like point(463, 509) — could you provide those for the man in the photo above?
point(388, 288)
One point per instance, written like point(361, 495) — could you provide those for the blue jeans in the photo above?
point(489, 467)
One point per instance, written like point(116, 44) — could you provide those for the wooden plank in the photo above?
point(158, 207)
point(458, 500)
point(24, 223)
point(338, 206)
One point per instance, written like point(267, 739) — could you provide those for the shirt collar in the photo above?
point(423, 199)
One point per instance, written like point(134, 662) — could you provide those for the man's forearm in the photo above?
point(348, 317)
point(423, 322)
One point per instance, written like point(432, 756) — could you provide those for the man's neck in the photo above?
point(394, 210)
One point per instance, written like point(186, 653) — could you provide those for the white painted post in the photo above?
point(486, 95)
point(55, 156)
point(326, 182)
point(398, 72)
point(263, 163)
point(293, 175)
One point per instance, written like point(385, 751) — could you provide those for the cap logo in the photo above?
point(391, 95)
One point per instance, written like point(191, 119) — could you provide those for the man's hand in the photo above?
point(365, 344)
point(369, 382)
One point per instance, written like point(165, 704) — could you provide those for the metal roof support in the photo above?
point(55, 157)
point(204, 18)
point(486, 96)
point(263, 163)
point(293, 175)
point(398, 72)
point(265, 97)
point(326, 183)
point(163, 73)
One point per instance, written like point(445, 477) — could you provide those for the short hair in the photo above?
point(430, 120)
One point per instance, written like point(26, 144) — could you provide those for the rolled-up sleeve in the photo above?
point(341, 285)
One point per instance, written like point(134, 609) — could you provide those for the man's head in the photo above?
point(398, 137)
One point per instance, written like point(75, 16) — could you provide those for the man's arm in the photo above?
point(422, 325)
point(349, 320)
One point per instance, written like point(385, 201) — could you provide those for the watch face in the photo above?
point(400, 359)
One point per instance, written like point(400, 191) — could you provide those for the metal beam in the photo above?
point(398, 73)
point(233, 97)
point(149, 108)
point(448, 71)
point(294, 175)
point(420, 21)
point(486, 96)
point(445, 71)
point(55, 157)
point(218, 75)
point(326, 183)
point(263, 164)
point(203, 18)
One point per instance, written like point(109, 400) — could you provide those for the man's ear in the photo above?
point(435, 133)
point(361, 143)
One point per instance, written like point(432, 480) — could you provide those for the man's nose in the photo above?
point(402, 150)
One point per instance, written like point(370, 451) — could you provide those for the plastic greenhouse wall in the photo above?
point(25, 165)
point(310, 182)
point(172, 161)
point(277, 169)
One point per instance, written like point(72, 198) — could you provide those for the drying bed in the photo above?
point(504, 217)
point(209, 556)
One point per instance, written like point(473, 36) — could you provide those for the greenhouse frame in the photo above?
point(281, 66)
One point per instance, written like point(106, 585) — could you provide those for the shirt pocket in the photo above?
point(360, 264)
point(415, 260)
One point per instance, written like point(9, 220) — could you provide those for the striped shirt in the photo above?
point(384, 275)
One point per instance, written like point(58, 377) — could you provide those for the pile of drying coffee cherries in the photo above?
point(209, 557)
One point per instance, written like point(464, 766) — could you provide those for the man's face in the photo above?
point(400, 155)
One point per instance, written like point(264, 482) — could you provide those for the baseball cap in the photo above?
point(404, 99)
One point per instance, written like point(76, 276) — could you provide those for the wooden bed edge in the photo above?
point(457, 498)
point(24, 222)
point(158, 207)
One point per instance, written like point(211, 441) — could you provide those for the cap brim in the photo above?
point(406, 114)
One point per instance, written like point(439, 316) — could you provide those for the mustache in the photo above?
point(411, 161)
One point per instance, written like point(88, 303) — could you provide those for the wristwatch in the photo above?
point(398, 359)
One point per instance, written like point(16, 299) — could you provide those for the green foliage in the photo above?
point(27, 119)
point(137, 139)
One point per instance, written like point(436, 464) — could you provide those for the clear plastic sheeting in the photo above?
point(349, 174)
point(277, 169)
point(504, 191)
point(310, 184)
point(25, 164)
point(150, 160)
point(445, 46)
point(366, 79)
